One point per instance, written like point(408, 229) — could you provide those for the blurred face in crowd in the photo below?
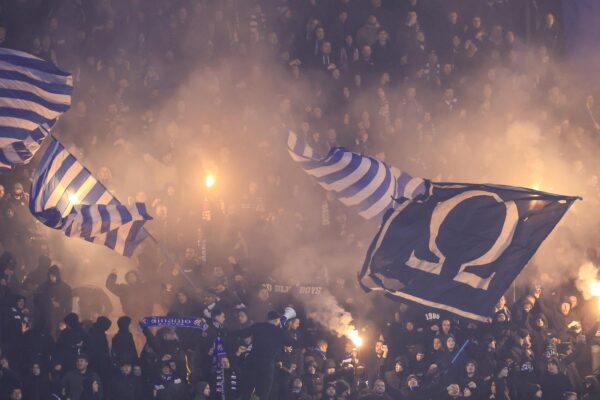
point(36, 370)
point(166, 370)
point(501, 302)
point(450, 343)
point(470, 368)
point(131, 278)
point(297, 384)
point(137, 370)
point(263, 294)
point(446, 326)
point(206, 391)
point(379, 387)
point(18, 189)
point(453, 17)
point(437, 343)
point(181, 297)
point(220, 318)
point(565, 308)
point(398, 367)
point(16, 394)
point(81, 364)
point(294, 324)
point(189, 254)
point(225, 363)
point(552, 368)
point(412, 17)
point(323, 346)
point(412, 382)
point(573, 300)
point(379, 347)
point(382, 36)
point(242, 317)
point(476, 22)
point(365, 52)
point(320, 33)
point(326, 48)
point(550, 20)
point(53, 278)
point(330, 391)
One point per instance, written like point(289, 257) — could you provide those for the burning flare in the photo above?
point(354, 337)
point(210, 181)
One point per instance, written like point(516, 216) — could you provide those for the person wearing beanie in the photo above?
point(559, 316)
point(268, 338)
point(53, 300)
point(329, 369)
point(412, 390)
point(553, 382)
point(123, 347)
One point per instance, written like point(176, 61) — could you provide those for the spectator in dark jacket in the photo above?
point(123, 347)
point(133, 295)
point(53, 299)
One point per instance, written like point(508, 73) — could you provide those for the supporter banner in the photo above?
point(462, 247)
point(294, 290)
point(174, 322)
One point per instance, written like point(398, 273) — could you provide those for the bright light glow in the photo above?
point(73, 199)
point(355, 338)
point(595, 288)
point(210, 181)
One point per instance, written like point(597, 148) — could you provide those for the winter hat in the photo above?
point(272, 315)
point(329, 363)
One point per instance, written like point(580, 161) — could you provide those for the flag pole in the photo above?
point(167, 254)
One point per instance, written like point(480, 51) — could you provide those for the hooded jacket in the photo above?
point(49, 293)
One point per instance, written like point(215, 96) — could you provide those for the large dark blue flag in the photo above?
point(459, 249)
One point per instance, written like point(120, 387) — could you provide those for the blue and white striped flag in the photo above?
point(65, 195)
point(363, 183)
point(33, 94)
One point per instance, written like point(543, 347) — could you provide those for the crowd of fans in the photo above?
point(164, 85)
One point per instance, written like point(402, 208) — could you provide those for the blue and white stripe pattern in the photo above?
point(33, 94)
point(361, 182)
point(65, 195)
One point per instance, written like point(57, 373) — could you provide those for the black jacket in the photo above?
point(267, 341)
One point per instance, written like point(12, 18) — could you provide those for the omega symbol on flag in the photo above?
point(465, 266)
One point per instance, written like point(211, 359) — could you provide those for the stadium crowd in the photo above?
point(168, 84)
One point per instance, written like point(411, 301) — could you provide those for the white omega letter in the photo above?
point(440, 213)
